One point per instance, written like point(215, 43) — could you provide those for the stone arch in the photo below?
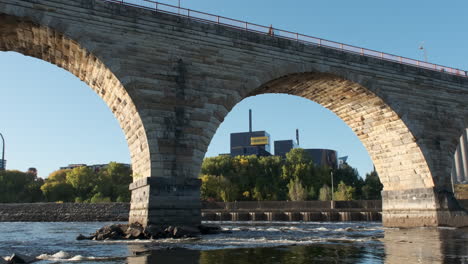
point(47, 44)
point(392, 147)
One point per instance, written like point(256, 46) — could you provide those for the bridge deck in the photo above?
point(279, 33)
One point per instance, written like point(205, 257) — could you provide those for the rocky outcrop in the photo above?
point(137, 231)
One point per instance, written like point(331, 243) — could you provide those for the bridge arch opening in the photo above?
point(393, 149)
point(44, 43)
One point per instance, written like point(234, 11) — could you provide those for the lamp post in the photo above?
point(331, 175)
point(421, 47)
point(332, 203)
point(3, 152)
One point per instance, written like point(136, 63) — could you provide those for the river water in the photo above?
point(251, 242)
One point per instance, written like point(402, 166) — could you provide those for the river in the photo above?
point(252, 242)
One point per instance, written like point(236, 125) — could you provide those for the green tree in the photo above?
point(112, 182)
point(100, 198)
point(297, 192)
point(325, 193)
point(83, 180)
point(56, 191)
point(344, 192)
point(210, 187)
point(19, 187)
point(372, 188)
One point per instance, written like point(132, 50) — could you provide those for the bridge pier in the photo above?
point(422, 207)
point(163, 202)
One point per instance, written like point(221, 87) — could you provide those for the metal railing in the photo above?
point(284, 34)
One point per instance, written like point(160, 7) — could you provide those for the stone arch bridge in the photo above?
point(170, 80)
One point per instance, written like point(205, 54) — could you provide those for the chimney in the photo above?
point(297, 136)
point(250, 120)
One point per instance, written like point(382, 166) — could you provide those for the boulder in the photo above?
point(154, 231)
point(17, 258)
point(185, 231)
point(209, 229)
point(134, 231)
point(81, 237)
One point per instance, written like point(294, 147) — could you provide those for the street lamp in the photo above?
point(421, 47)
point(331, 174)
point(3, 152)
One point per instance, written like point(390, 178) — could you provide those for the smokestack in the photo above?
point(250, 120)
point(297, 136)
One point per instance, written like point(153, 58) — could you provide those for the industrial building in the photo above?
point(324, 157)
point(258, 143)
point(250, 143)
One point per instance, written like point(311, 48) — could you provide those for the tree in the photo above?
point(372, 188)
point(83, 180)
point(297, 192)
point(344, 192)
point(56, 191)
point(209, 187)
point(325, 193)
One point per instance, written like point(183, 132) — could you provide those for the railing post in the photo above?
point(341, 46)
point(246, 25)
point(218, 19)
point(157, 6)
point(297, 36)
point(362, 51)
point(320, 42)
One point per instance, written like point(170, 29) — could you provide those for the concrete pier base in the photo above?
point(162, 201)
point(422, 207)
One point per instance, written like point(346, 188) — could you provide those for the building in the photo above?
point(250, 143)
point(324, 157)
point(284, 146)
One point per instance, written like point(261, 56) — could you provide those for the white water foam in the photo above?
point(65, 256)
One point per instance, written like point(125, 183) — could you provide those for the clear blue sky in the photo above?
point(50, 118)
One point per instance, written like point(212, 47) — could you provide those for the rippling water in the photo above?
point(253, 242)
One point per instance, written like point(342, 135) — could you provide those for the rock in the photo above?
point(185, 231)
point(3, 261)
point(169, 230)
point(209, 229)
point(155, 232)
point(349, 229)
point(17, 258)
point(81, 237)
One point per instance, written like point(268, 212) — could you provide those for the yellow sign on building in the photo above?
point(255, 141)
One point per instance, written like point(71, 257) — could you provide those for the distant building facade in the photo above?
point(324, 157)
point(284, 146)
point(250, 143)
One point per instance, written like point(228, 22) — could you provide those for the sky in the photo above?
point(49, 118)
